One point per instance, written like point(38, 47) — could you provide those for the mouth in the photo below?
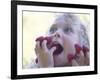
point(51, 43)
point(58, 46)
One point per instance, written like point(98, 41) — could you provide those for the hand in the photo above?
point(81, 59)
point(82, 56)
point(44, 55)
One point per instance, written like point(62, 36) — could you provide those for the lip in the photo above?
point(59, 47)
point(51, 43)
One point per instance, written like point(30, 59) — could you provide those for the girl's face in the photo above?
point(66, 35)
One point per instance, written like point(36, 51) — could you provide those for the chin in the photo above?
point(60, 60)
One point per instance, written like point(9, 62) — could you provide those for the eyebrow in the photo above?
point(52, 28)
point(54, 25)
point(61, 26)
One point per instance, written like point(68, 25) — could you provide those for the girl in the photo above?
point(71, 45)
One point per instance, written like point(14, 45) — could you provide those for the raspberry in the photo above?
point(85, 50)
point(51, 44)
point(40, 39)
point(70, 57)
point(49, 40)
point(78, 48)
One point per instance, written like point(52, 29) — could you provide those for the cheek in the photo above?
point(72, 38)
point(69, 42)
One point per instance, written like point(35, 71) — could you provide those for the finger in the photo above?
point(36, 50)
point(52, 50)
point(80, 58)
point(81, 55)
point(87, 59)
point(38, 45)
point(44, 45)
point(87, 55)
point(74, 63)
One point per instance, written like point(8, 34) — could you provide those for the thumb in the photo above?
point(52, 50)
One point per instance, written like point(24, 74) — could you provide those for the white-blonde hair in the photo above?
point(80, 27)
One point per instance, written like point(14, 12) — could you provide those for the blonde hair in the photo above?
point(76, 23)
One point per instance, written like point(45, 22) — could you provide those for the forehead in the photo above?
point(61, 24)
point(66, 20)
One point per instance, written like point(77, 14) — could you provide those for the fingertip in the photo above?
point(81, 53)
point(37, 44)
point(44, 44)
point(45, 41)
point(53, 49)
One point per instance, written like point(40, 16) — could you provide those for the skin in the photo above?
point(62, 32)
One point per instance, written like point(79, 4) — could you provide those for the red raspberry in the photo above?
point(49, 40)
point(85, 50)
point(78, 48)
point(51, 44)
point(40, 39)
point(70, 57)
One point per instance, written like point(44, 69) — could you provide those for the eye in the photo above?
point(67, 30)
point(53, 29)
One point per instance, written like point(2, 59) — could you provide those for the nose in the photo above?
point(56, 35)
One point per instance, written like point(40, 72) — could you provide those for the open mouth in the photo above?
point(58, 46)
point(51, 44)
